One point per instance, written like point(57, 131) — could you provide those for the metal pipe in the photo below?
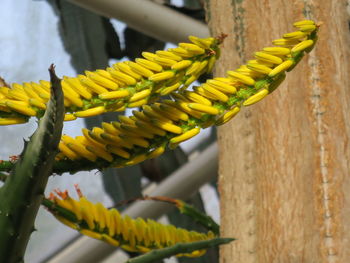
point(181, 184)
point(150, 18)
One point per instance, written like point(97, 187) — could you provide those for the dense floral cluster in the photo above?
point(136, 235)
point(126, 84)
point(146, 133)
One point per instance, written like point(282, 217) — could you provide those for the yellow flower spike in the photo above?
point(67, 151)
point(176, 120)
point(69, 117)
point(281, 68)
point(222, 86)
point(268, 58)
point(227, 116)
point(81, 151)
point(295, 35)
point(259, 68)
point(118, 151)
point(114, 94)
point(90, 112)
point(185, 136)
point(92, 234)
point(240, 77)
point(277, 51)
point(256, 97)
point(162, 76)
point(181, 65)
point(19, 107)
point(140, 95)
point(302, 45)
point(11, 121)
point(169, 55)
point(204, 108)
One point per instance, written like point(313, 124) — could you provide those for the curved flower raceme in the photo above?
point(135, 235)
point(124, 85)
point(146, 133)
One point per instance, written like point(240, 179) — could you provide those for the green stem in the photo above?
point(22, 193)
point(3, 177)
point(178, 249)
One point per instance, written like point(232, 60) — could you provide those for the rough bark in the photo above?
point(284, 173)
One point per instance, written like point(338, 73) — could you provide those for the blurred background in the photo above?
point(35, 34)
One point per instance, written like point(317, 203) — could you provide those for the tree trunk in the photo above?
point(284, 173)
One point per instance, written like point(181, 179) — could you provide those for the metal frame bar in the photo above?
point(150, 18)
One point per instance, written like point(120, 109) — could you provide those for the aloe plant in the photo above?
point(145, 135)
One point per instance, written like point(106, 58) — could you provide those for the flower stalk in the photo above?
point(135, 235)
point(167, 123)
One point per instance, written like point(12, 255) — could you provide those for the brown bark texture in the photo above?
point(284, 176)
